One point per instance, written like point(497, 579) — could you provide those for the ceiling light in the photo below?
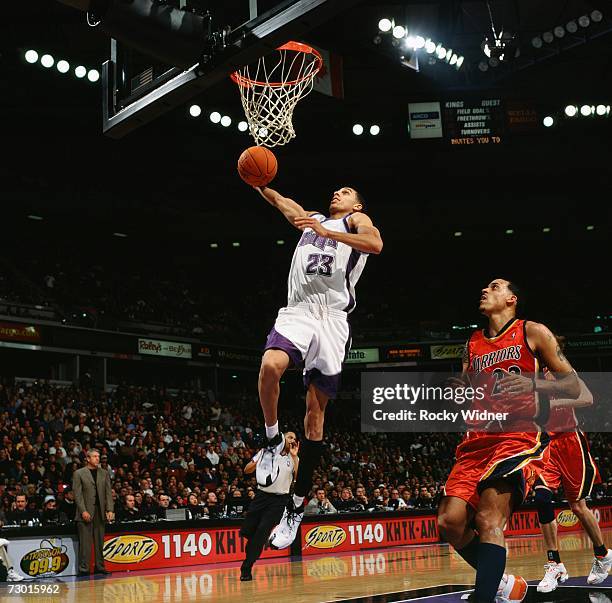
point(358, 129)
point(548, 121)
point(571, 110)
point(548, 37)
point(571, 26)
point(31, 56)
point(430, 47)
point(596, 16)
point(226, 121)
point(584, 21)
point(375, 130)
point(536, 42)
point(586, 110)
point(47, 61)
point(559, 31)
point(80, 72)
point(215, 117)
point(385, 25)
point(399, 31)
point(195, 110)
point(243, 126)
point(93, 75)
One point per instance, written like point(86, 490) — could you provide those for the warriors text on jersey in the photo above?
point(489, 360)
point(324, 272)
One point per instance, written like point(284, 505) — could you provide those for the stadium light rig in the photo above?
point(404, 39)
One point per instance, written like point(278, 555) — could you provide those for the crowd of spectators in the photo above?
point(102, 291)
point(188, 451)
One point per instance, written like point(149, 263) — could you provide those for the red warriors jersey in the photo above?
point(489, 358)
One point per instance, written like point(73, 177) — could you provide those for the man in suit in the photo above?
point(94, 501)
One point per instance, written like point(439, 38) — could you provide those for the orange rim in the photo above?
point(246, 82)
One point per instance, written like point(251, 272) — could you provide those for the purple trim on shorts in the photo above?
point(276, 341)
point(328, 384)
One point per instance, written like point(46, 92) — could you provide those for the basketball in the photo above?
point(257, 166)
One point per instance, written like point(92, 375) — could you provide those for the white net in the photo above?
point(271, 89)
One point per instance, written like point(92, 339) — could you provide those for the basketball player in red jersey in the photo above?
point(493, 471)
point(571, 465)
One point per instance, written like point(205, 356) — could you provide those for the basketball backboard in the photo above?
point(138, 88)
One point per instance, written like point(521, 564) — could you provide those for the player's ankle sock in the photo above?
point(600, 551)
point(297, 500)
point(272, 430)
point(310, 457)
point(470, 551)
point(490, 569)
point(554, 556)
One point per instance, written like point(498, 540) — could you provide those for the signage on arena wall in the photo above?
point(44, 557)
point(338, 535)
point(407, 352)
point(447, 351)
point(170, 349)
point(424, 120)
point(362, 355)
point(10, 331)
point(330, 79)
point(346, 535)
point(172, 548)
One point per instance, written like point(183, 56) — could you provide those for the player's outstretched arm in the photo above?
point(583, 400)
point(544, 344)
point(367, 238)
point(288, 207)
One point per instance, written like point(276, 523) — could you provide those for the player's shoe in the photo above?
point(272, 443)
point(13, 576)
point(553, 574)
point(245, 574)
point(286, 531)
point(600, 569)
point(599, 598)
point(512, 589)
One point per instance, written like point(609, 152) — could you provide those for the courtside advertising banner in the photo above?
point(173, 548)
point(341, 534)
point(40, 557)
point(335, 536)
point(169, 349)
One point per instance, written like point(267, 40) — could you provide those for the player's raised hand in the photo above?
point(514, 384)
point(304, 222)
point(294, 448)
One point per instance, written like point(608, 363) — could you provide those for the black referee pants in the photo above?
point(265, 512)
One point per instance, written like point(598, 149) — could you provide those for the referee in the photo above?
point(275, 473)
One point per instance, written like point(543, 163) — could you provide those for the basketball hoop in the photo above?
point(269, 97)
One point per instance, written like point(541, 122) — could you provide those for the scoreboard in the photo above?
point(480, 122)
point(472, 122)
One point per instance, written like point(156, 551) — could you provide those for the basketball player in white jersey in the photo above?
point(312, 331)
point(267, 507)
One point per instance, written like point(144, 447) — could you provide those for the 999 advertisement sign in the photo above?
point(343, 535)
point(154, 550)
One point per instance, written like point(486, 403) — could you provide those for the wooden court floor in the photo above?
point(323, 578)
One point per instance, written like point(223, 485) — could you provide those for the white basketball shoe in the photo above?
point(554, 573)
point(600, 569)
point(286, 531)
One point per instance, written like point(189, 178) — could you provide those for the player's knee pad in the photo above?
point(543, 500)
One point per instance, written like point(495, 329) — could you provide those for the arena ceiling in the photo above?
point(176, 177)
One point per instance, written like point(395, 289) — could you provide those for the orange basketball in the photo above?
point(257, 166)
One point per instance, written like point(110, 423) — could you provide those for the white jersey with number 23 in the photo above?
point(324, 272)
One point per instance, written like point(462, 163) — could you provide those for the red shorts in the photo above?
point(485, 457)
point(570, 465)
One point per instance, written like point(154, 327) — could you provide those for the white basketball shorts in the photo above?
point(315, 337)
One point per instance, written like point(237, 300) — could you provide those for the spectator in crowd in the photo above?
point(20, 514)
point(128, 510)
point(213, 508)
point(195, 510)
point(347, 502)
point(396, 503)
point(163, 504)
point(67, 504)
point(237, 505)
point(51, 513)
point(319, 504)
